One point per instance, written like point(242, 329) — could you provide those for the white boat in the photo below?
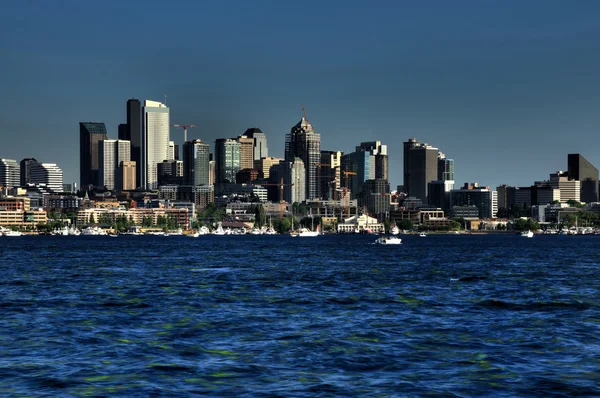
point(11, 233)
point(113, 235)
point(193, 235)
point(388, 240)
point(422, 235)
point(304, 232)
point(527, 234)
point(394, 230)
point(93, 231)
point(204, 230)
point(256, 231)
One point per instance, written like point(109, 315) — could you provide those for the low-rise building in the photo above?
point(360, 224)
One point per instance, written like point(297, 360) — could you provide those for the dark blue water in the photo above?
point(281, 316)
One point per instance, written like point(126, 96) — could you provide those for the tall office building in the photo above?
point(357, 168)
point(303, 142)
point(330, 173)
point(264, 165)
point(125, 178)
point(212, 172)
point(375, 196)
point(246, 152)
point(569, 189)
point(134, 134)
point(420, 168)
point(380, 158)
point(294, 180)
point(227, 160)
point(9, 173)
point(260, 143)
point(48, 174)
point(445, 168)
point(111, 154)
point(582, 170)
point(196, 155)
point(171, 151)
point(483, 198)
point(26, 170)
point(90, 135)
point(155, 141)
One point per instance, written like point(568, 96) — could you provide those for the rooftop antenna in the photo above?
point(165, 99)
point(304, 112)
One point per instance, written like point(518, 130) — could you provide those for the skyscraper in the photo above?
point(111, 154)
point(26, 170)
point(445, 168)
point(134, 134)
point(260, 143)
point(329, 173)
point(303, 142)
point(246, 152)
point(227, 160)
point(155, 141)
point(380, 157)
point(196, 156)
point(420, 168)
point(125, 179)
point(90, 134)
point(580, 169)
point(9, 173)
point(48, 174)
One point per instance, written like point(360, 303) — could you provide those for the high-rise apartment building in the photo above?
point(111, 154)
point(196, 155)
point(48, 174)
point(582, 170)
point(420, 168)
point(25, 171)
point(227, 160)
point(303, 142)
point(90, 135)
point(260, 143)
point(155, 141)
point(9, 173)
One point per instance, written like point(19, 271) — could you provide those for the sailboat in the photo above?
point(293, 233)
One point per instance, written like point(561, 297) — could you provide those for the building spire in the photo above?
point(304, 112)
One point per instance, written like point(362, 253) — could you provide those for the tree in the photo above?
point(405, 224)
point(260, 217)
point(92, 220)
point(147, 222)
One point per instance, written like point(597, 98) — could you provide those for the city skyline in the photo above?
point(507, 90)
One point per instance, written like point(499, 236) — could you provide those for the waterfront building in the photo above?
point(15, 203)
point(264, 164)
point(196, 155)
point(360, 223)
point(111, 154)
point(227, 160)
point(25, 170)
point(90, 135)
point(47, 174)
point(569, 189)
point(305, 143)
point(9, 173)
point(155, 141)
point(125, 179)
point(581, 170)
point(260, 150)
point(483, 198)
point(420, 168)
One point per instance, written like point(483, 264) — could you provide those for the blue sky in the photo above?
point(506, 88)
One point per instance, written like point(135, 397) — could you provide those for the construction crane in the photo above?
point(281, 201)
point(184, 127)
point(345, 190)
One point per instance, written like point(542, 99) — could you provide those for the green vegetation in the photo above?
point(209, 216)
point(525, 224)
point(260, 217)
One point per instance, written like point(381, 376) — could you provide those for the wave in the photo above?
point(534, 306)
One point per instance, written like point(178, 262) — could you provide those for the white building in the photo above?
point(171, 151)
point(48, 174)
point(569, 189)
point(9, 173)
point(155, 141)
point(362, 223)
point(111, 154)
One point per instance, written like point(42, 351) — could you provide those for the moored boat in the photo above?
point(388, 240)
